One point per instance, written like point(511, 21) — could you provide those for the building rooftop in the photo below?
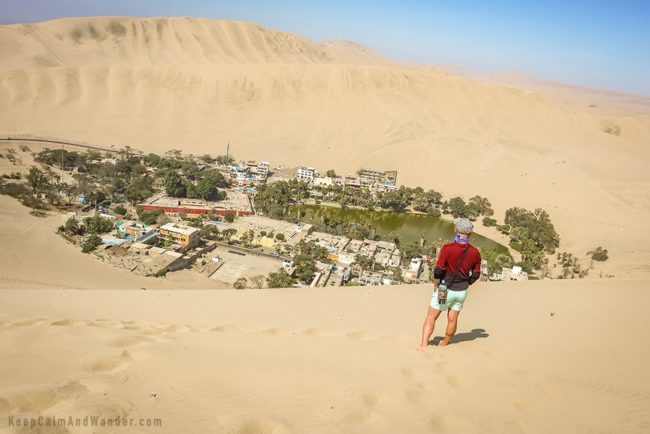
point(178, 228)
point(237, 200)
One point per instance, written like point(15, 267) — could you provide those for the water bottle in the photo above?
point(442, 293)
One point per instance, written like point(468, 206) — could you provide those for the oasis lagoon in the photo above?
point(409, 226)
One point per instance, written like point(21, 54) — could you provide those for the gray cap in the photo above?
point(464, 226)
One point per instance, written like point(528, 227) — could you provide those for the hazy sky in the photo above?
point(594, 43)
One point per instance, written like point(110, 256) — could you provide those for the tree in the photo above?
point(395, 237)
point(483, 205)
point(225, 160)
point(313, 250)
point(331, 173)
point(273, 199)
point(227, 234)
point(305, 267)
point(72, 227)
point(426, 201)
point(229, 217)
point(91, 243)
point(37, 179)
point(279, 279)
point(209, 232)
point(248, 236)
point(240, 283)
point(150, 217)
point(396, 274)
point(207, 187)
point(280, 237)
point(139, 189)
point(365, 262)
point(98, 225)
point(174, 185)
point(394, 200)
point(410, 251)
point(535, 227)
point(457, 206)
point(258, 281)
point(120, 210)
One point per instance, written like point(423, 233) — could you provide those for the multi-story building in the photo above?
point(306, 174)
point(370, 178)
point(186, 236)
point(352, 181)
point(263, 169)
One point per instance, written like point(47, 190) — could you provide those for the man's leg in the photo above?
point(452, 325)
point(429, 324)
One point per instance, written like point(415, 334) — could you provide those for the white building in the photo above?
point(263, 169)
point(306, 174)
point(324, 181)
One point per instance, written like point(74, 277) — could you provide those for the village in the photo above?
point(229, 241)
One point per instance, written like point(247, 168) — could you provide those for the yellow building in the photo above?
point(187, 236)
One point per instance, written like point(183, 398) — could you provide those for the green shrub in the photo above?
point(599, 254)
point(98, 225)
point(488, 221)
point(91, 243)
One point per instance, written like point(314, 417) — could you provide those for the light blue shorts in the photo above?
point(455, 300)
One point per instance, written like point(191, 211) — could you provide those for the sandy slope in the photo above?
point(192, 84)
point(333, 360)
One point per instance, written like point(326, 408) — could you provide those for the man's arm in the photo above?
point(440, 268)
point(476, 271)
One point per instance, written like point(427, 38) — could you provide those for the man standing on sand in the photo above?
point(458, 266)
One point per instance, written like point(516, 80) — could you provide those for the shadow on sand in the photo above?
point(463, 337)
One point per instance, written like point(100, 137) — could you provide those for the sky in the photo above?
point(602, 44)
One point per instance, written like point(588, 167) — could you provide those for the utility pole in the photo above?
point(228, 150)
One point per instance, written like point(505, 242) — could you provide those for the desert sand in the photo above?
point(331, 360)
point(195, 84)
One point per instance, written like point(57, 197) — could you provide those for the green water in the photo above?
point(409, 226)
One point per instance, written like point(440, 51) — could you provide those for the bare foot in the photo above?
point(444, 342)
point(423, 347)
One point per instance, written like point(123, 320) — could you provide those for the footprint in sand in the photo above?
point(370, 400)
point(316, 332)
point(358, 335)
point(226, 328)
point(459, 383)
point(414, 395)
point(104, 323)
point(176, 328)
point(357, 417)
point(34, 401)
point(109, 363)
point(63, 322)
point(128, 341)
point(273, 331)
point(264, 426)
point(524, 404)
point(28, 322)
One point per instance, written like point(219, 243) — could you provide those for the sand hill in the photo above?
point(296, 361)
point(193, 84)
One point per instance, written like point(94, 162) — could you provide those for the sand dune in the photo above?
point(194, 84)
point(279, 361)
